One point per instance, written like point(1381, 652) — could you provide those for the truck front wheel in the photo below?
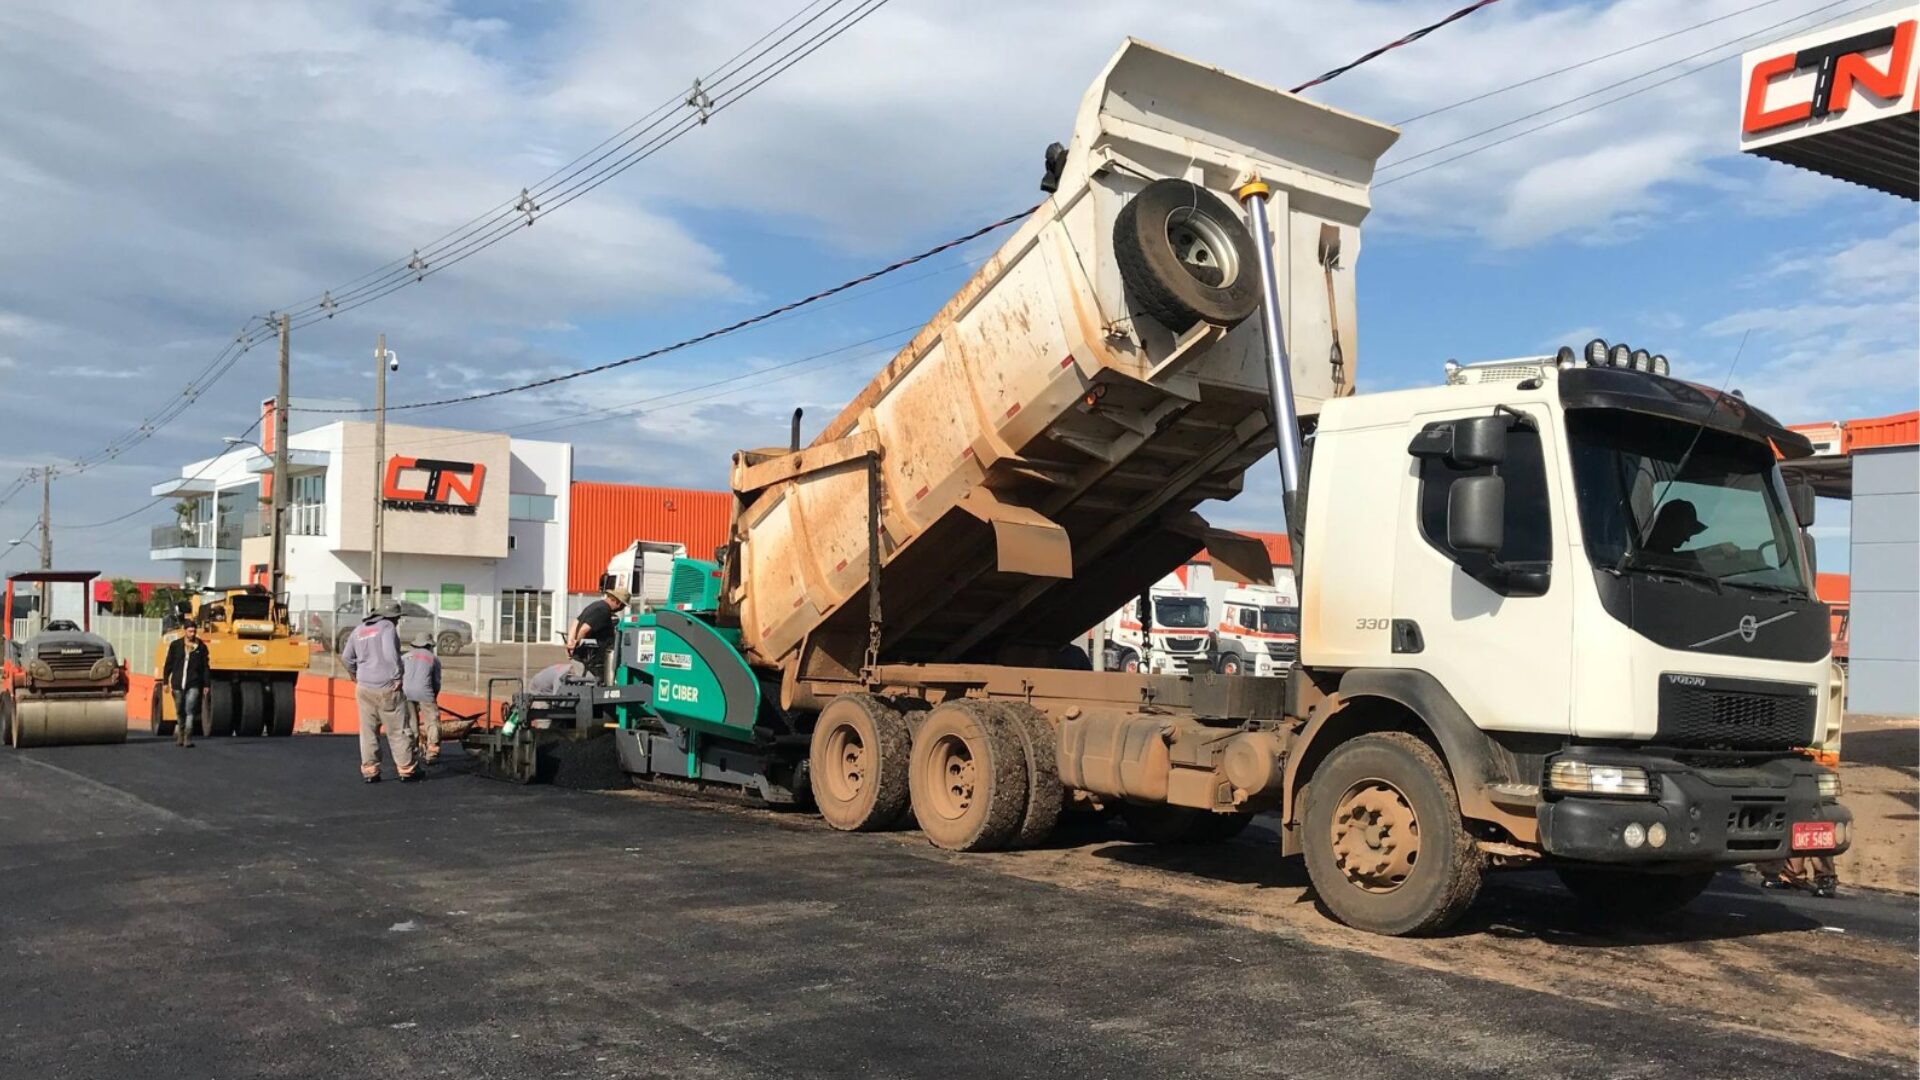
point(858, 763)
point(1229, 664)
point(1633, 895)
point(1384, 842)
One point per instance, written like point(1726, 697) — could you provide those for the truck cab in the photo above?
point(1586, 585)
point(1258, 632)
point(1171, 637)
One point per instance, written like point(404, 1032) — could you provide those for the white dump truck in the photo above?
point(1555, 612)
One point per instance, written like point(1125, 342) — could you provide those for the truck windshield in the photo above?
point(1659, 496)
point(1180, 612)
point(1280, 620)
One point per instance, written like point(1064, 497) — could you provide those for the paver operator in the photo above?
point(595, 624)
point(420, 681)
point(372, 657)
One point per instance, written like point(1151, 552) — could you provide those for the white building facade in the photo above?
point(475, 527)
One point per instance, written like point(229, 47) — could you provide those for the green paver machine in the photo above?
point(673, 704)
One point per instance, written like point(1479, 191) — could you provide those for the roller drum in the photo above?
point(56, 722)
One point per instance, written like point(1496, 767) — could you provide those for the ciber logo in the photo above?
point(1840, 67)
point(446, 480)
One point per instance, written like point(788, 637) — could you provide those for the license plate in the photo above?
point(1813, 836)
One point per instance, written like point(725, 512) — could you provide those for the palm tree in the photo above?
point(126, 597)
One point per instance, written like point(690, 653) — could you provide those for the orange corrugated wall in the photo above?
point(606, 518)
point(1900, 429)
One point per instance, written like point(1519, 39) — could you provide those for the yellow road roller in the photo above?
point(254, 661)
point(61, 685)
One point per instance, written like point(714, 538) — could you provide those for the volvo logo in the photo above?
point(1747, 630)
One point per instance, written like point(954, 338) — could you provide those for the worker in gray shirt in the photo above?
point(372, 657)
point(420, 681)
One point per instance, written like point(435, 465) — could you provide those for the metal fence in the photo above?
point(466, 643)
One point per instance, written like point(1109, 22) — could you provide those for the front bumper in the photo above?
point(1713, 816)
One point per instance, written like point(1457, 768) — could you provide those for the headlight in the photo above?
point(1619, 356)
point(40, 669)
point(1829, 783)
point(1597, 352)
point(102, 668)
point(1660, 365)
point(1585, 778)
point(1642, 360)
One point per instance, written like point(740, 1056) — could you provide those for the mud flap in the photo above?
point(1026, 541)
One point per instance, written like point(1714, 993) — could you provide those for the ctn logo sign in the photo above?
point(1839, 68)
point(446, 481)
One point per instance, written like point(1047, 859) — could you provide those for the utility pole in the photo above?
point(46, 545)
point(277, 557)
point(376, 554)
point(46, 528)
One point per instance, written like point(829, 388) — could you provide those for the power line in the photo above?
point(707, 335)
point(1390, 46)
point(1600, 104)
point(519, 211)
point(1590, 61)
point(536, 203)
point(163, 498)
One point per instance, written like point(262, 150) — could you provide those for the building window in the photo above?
point(307, 504)
point(526, 615)
point(530, 507)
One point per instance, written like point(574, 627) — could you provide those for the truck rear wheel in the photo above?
point(1633, 895)
point(1385, 845)
point(968, 777)
point(1045, 795)
point(857, 764)
point(253, 707)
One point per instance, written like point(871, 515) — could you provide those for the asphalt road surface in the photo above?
point(249, 908)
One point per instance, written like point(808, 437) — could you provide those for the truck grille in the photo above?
point(1731, 714)
point(1286, 651)
point(71, 661)
point(1185, 644)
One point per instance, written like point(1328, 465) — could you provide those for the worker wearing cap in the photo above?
point(185, 673)
point(372, 657)
point(595, 623)
point(420, 682)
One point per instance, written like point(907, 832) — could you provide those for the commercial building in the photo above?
point(1840, 101)
point(1875, 464)
point(476, 523)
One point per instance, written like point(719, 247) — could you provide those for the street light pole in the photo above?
point(376, 555)
point(277, 557)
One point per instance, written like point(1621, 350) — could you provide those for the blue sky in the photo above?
point(184, 174)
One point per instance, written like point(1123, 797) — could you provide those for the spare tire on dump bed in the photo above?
point(1186, 257)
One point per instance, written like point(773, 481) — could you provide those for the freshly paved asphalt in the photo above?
point(249, 909)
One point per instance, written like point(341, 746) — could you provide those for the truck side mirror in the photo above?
point(1476, 514)
point(1466, 443)
point(1479, 440)
point(1800, 495)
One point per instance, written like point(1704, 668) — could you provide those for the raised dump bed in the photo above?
point(1038, 449)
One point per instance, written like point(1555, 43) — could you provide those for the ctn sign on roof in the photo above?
point(1840, 101)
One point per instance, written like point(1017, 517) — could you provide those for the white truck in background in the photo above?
point(645, 569)
point(1175, 640)
point(1257, 631)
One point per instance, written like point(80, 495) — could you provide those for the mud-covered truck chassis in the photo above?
point(1552, 611)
